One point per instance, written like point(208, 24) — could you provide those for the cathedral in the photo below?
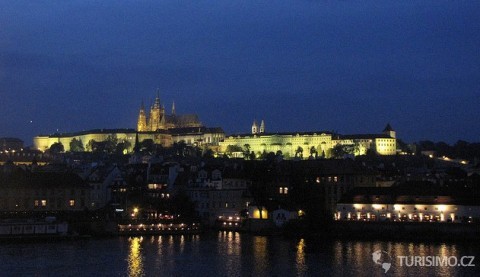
point(158, 119)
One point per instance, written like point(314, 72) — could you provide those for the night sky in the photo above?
point(345, 66)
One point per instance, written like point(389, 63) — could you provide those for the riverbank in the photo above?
point(416, 231)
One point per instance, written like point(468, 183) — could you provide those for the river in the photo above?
point(230, 254)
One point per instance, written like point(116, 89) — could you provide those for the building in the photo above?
point(411, 202)
point(101, 181)
point(9, 144)
point(308, 144)
point(161, 128)
point(219, 194)
point(291, 183)
point(158, 119)
point(26, 191)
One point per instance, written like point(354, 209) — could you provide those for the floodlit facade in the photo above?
point(158, 126)
point(407, 204)
point(158, 119)
point(307, 144)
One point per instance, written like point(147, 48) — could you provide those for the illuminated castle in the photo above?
point(305, 144)
point(159, 120)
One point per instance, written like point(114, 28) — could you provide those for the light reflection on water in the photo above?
point(300, 258)
point(135, 258)
point(224, 254)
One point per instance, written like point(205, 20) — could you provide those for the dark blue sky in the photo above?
point(348, 66)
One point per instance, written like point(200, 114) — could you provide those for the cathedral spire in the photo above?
point(142, 120)
point(156, 105)
point(173, 108)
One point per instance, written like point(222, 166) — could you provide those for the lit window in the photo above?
point(152, 186)
point(44, 203)
point(71, 203)
point(37, 203)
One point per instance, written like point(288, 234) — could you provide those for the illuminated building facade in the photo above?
point(414, 203)
point(306, 144)
point(199, 136)
point(159, 127)
point(159, 120)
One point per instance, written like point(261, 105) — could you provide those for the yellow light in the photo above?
point(301, 213)
point(376, 206)
point(357, 206)
point(441, 208)
point(396, 207)
point(135, 210)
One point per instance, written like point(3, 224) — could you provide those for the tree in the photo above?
point(90, 145)
point(208, 154)
point(147, 145)
point(246, 152)
point(56, 148)
point(338, 151)
point(233, 148)
point(111, 143)
point(299, 152)
point(76, 145)
point(122, 147)
point(313, 152)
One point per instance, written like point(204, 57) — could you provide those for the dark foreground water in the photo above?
point(227, 254)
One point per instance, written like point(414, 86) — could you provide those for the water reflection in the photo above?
point(300, 258)
point(229, 249)
point(260, 254)
point(355, 258)
point(135, 257)
point(228, 254)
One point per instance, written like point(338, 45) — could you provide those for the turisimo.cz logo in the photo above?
point(382, 259)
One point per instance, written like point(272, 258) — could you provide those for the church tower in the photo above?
point(262, 127)
point(142, 120)
point(254, 127)
point(173, 108)
point(389, 131)
point(155, 115)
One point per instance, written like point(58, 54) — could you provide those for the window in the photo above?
point(71, 203)
point(283, 190)
point(43, 203)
